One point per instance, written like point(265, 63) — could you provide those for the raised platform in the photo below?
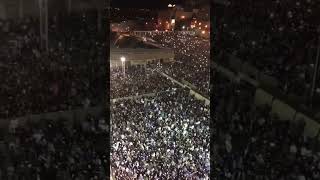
point(137, 51)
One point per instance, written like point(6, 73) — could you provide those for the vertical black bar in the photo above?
point(106, 28)
point(212, 122)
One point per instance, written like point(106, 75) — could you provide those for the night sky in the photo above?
point(152, 4)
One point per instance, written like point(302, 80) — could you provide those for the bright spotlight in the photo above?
point(123, 59)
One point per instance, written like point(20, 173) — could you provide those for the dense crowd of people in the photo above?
point(192, 55)
point(161, 137)
point(251, 143)
point(137, 81)
point(280, 38)
point(69, 75)
point(165, 135)
point(56, 149)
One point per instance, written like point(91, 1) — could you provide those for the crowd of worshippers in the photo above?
point(252, 143)
point(192, 55)
point(69, 75)
point(162, 137)
point(55, 150)
point(137, 80)
point(280, 38)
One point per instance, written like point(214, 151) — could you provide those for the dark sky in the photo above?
point(153, 4)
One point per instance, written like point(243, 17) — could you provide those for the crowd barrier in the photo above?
point(252, 75)
point(183, 84)
point(200, 97)
point(283, 110)
point(192, 92)
point(69, 116)
point(287, 112)
point(262, 97)
point(188, 84)
point(133, 97)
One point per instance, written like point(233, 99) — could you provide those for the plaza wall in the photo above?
point(139, 56)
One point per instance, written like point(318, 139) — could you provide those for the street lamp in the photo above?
point(123, 60)
point(173, 21)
